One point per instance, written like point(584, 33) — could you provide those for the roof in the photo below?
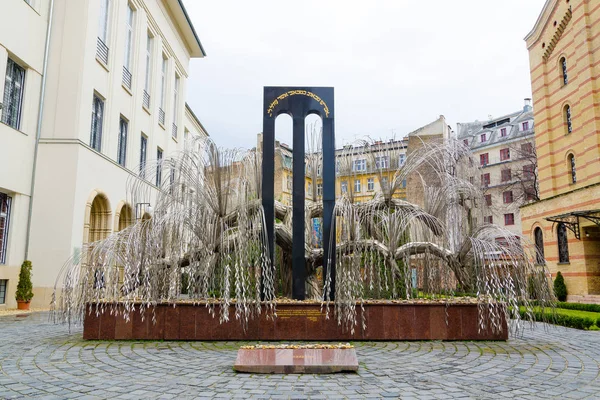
point(472, 130)
point(187, 107)
point(188, 31)
point(541, 20)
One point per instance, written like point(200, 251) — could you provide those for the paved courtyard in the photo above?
point(40, 360)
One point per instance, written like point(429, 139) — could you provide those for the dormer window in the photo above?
point(502, 132)
point(525, 126)
point(483, 138)
point(466, 142)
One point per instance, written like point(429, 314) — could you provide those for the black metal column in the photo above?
point(329, 201)
point(268, 187)
point(298, 221)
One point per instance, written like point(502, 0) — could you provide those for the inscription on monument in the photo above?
point(311, 315)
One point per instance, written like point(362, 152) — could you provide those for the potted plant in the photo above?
point(24, 287)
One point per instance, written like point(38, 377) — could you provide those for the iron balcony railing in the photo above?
point(102, 51)
point(161, 116)
point(146, 100)
point(174, 131)
point(126, 77)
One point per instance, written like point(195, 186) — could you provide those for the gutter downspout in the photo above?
point(39, 126)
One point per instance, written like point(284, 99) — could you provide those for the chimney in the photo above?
point(527, 105)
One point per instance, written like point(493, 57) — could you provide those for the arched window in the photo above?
point(563, 245)
point(539, 246)
point(571, 161)
point(563, 68)
point(567, 117)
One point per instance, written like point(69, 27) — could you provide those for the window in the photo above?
point(563, 244)
point(401, 159)
point(526, 149)
point(163, 82)
point(359, 165)
point(5, 203)
point(485, 180)
point(159, 157)
point(143, 151)
point(502, 132)
point(357, 185)
point(488, 199)
point(507, 197)
point(382, 162)
point(319, 170)
point(3, 284)
point(101, 47)
point(539, 246)
point(148, 77)
point(483, 137)
point(528, 172)
point(504, 154)
point(97, 119)
point(571, 159)
point(506, 175)
point(488, 220)
point(484, 159)
point(289, 182)
point(403, 183)
point(471, 180)
point(175, 105)
point(122, 144)
point(13, 94)
point(466, 142)
point(568, 118)
point(370, 184)
point(563, 67)
point(319, 189)
point(525, 125)
point(509, 219)
point(344, 187)
point(129, 18)
point(384, 183)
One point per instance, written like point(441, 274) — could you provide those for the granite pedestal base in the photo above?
point(296, 361)
point(295, 321)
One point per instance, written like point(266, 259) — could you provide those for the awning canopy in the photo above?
point(571, 219)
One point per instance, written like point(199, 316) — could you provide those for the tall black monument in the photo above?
point(299, 102)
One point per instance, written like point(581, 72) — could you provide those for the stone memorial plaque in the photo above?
point(296, 361)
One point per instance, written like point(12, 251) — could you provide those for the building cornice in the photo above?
point(541, 21)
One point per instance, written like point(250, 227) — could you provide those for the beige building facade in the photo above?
point(564, 48)
point(504, 148)
point(112, 99)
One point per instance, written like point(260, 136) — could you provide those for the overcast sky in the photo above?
point(396, 65)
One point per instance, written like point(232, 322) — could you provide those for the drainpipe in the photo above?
point(39, 126)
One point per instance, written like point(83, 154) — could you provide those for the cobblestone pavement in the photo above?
point(44, 361)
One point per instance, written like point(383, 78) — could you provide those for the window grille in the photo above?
point(539, 246)
point(161, 116)
point(5, 204)
point(122, 145)
point(563, 245)
point(126, 78)
point(102, 51)
point(13, 94)
point(146, 100)
point(97, 120)
point(174, 131)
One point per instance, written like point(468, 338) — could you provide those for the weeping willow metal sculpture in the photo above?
point(207, 241)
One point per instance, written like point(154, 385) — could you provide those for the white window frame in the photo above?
point(5, 204)
point(148, 77)
point(359, 164)
point(163, 81)
point(122, 142)
point(129, 30)
point(97, 123)
point(344, 186)
point(382, 162)
point(319, 189)
point(143, 154)
point(401, 159)
point(104, 21)
point(357, 186)
point(14, 88)
point(370, 184)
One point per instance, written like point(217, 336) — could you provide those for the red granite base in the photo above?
point(296, 361)
point(295, 321)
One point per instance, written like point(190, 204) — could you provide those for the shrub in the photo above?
point(560, 289)
point(562, 320)
point(25, 287)
point(598, 322)
point(579, 306)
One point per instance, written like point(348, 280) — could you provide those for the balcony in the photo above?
point(102, 51)
point(146, 100)
point(126, 78)
point(161, 116)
